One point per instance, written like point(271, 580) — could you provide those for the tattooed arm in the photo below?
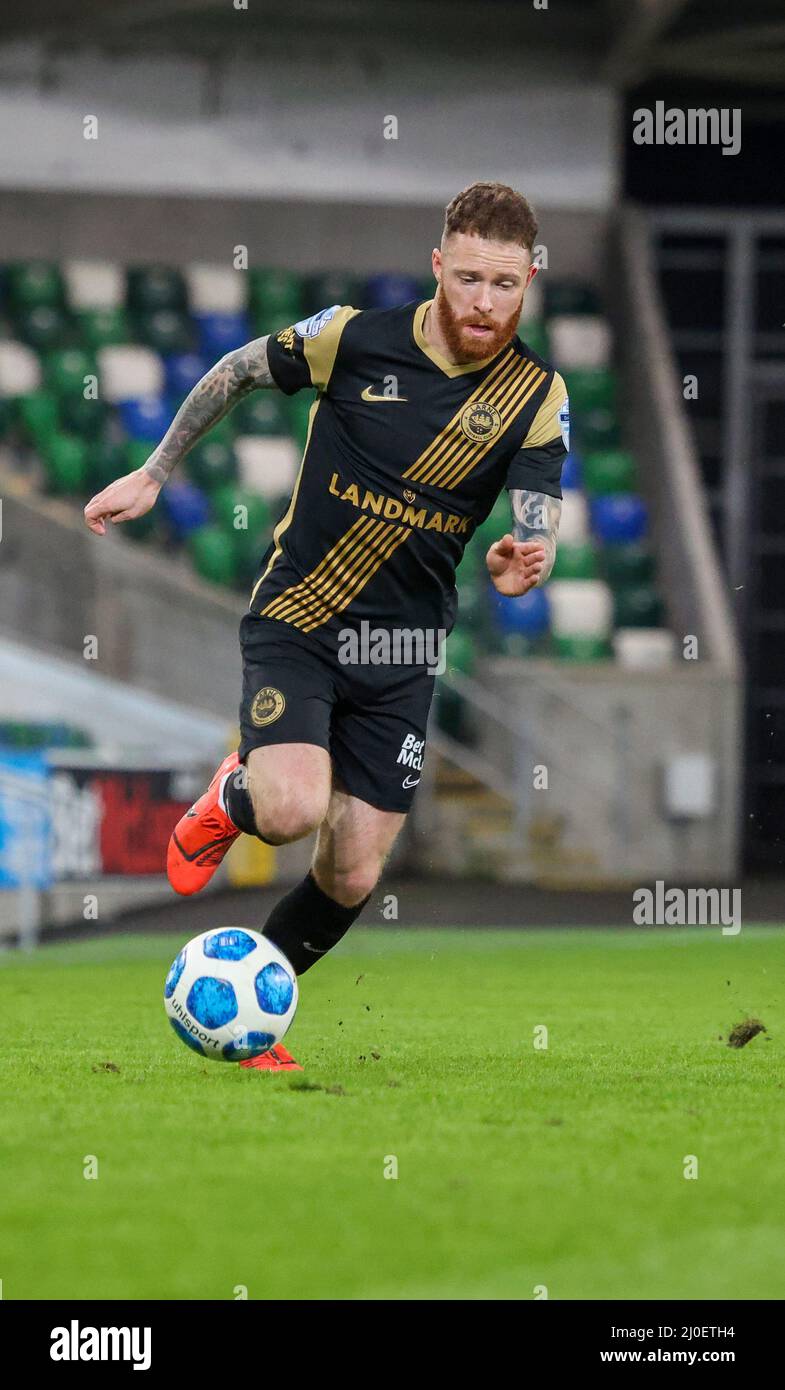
point(519, 562)
point(221, 388)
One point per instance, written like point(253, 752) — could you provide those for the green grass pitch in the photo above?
point(517, 1167)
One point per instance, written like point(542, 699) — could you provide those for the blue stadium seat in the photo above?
point(220, 333)
point(619, 518)
point(148, 418)
point(183, 370)
point(571, 473)
point(185, 506)
point(388, 291)
point(529, 615)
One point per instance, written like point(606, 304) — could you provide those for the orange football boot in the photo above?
point(277, 1059)
point(201, 838)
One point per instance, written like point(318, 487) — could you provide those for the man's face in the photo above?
point(478, 301)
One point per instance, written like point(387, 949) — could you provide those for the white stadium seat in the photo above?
point(216, 289)
point(94, 284)
point(644, 647)
point(534, 300)
point(129, 373)
point(580, 608)
point(267, 465)
point(574, 523)
point(20, 370)
point(579, 340)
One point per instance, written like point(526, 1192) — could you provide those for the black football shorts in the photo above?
point(371, 719)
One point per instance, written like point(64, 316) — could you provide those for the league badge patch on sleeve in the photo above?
point(312, 327)
point(564, 422)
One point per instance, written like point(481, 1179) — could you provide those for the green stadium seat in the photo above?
point(570, 297)
point(298, 409)
point(628, 565)
point(99, 328)
point(155, 287)
point(596, 429)
point(165, 330)
point(335, 287)
point(260, 413)
point(211, 464)
point(106, 460)
point(213, 555)
point(576, 561)
point(608, 471)
point(6, 416)
point(137, 452)
point(473, 607)
point(66, 368)
point(37, 415)
point(591, 388)
point(141, 528)
point(582, 648)
point(226, 501)
point(535, 335)
point(34, 283)
point(43, 326)
point(637, 605)
point(64, 458)
point(496, 525)
point(82, 415)
point(276, 294)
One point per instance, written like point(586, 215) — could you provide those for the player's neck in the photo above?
point(434, 337)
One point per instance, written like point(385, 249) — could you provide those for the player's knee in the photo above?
point(282, 815)
point(347, 886)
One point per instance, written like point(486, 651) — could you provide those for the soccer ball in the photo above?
point(230, 994)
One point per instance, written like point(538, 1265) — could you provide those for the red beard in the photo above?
point(463, 346)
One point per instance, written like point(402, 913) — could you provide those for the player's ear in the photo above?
point(532, 271)
point(436, 262)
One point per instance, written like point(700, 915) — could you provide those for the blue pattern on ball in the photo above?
point(249, 1044)
point(175, 971)
point(229, 945)
point(186, 1036)
point(212, 1002)
point(274, 988)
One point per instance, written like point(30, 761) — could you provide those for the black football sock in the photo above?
point(306, 924)
point(239, 806)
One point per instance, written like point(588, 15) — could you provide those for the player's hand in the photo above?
point(515, 566)
point(123, 500)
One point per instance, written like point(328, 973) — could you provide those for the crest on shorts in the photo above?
point(481, 422)
point(268, 705)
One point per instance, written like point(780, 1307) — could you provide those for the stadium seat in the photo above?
point(64, 458)
point(155, 287)
point(387, 291)
point(165, 330)
point(608, 470)
point(644, 648)
point(66, 370)
point(569, 296)
point(129, 373)
point(42, 326)
point(216, 289)
point(528, 616)
point(596, 429)
point(213, 555)
point(576, 561)
point(149, 417)
point(473, 604)
point(38, 416)
point(233, 505)
point(222, 333)
point(580, 608)
point(260, 413)
point(637, 605)
point(83, 415)
point(31, 284)
point(332, 287)
point(591, 388)
point(620, 517)
point(275, 295)
point(298, 413)
point(100, 328)
point(106, 460)
point(579, 340)
point(93, 285)
point(535, 335)
point(265, 465)
point(20, 369)
point(533, 304)
point(185, 507)
point(137, 452)
point(628, 564)
point(571, 472)
point(574, 523)
point(182, 371)
point(211, 464)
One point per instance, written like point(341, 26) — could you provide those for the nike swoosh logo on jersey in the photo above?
point(409, 782)
point(367, 395)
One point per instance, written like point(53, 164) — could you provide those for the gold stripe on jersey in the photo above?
point(546, 426)
point(340, 575)
point(285, 522)
point(320, 352)
point(451, 455)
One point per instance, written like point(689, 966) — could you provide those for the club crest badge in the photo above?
point(481, 422)
point(268, 705)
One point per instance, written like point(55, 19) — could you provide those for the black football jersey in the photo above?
point(406, 454)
